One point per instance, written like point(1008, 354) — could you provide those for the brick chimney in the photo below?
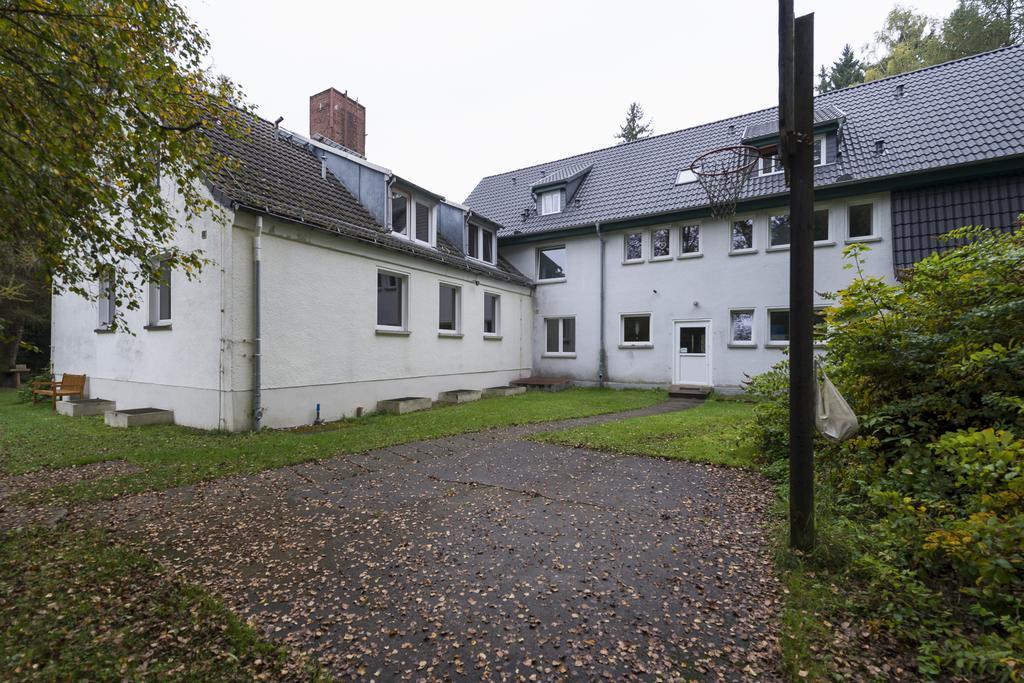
point(337, 116)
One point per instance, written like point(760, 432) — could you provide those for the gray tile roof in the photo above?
point(962, 112)
point(276, 172)
point(823, 113)
point(562, 175)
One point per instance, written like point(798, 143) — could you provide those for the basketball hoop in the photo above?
point(722, 173)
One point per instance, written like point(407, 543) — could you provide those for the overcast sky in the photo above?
point(455, 91)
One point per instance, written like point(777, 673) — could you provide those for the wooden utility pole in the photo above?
point(796, 109)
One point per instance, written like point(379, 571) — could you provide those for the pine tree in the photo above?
point(634, 128)
point(845, 71)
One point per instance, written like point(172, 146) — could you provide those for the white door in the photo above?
point(693, 358)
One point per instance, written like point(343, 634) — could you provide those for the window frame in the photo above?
point(457, 310)
point(777, 165)
point(482, 235)
point(873, 235)
point(752, 249)
point(542, 209)
point(663, 257)
point(752, 344)
point(769, 342)
point(551, 280)
point(106, 300)
point(404, 289)
point(649, 344)
point(412, 203)
point(826, 242)
point(496, 334)
point(561, 337)
point(156, 320)
point(625, 247)
point(682, 242)
point(768, 232)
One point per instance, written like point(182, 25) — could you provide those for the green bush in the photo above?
point(932, 489)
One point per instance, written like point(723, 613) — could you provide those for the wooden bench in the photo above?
point(69, 385)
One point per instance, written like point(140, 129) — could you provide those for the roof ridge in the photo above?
point(749, 113)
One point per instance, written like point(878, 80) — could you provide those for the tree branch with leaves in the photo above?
point(100, 101)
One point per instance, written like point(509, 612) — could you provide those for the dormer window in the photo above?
point(482, 244)
point(412, 218)
point(550, 202)
point(771, 163)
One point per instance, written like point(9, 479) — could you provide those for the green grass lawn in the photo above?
point(33, 437)
point(76, 607)
point(715, 432)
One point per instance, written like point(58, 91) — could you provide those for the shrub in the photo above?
point(933, 487)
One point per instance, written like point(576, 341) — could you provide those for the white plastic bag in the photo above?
point(832, 414)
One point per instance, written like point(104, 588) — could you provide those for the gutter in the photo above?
point(602, 357)
point(257, 356)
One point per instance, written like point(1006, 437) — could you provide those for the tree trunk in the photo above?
point(10, 357)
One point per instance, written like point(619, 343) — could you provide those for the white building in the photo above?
point(351, 312)
point(636, 285)
point(611, 271)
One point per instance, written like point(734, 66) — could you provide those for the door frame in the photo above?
point(692, 322)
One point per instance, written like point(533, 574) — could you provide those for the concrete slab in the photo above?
point(138, 417)
point(85, 407)
point(459, 396)
point(504, 391)
point(407, 404)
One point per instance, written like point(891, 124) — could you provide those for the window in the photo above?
point(105, 300)
point(634, 246)
point(412, 219)
point(551, 263)
point(561, 336)
point(423, 220)
point(160, 297)
point(689, 239)
point(819, 151)
point(771, 163)
point(449, 314)
point(660, 247)
point(636, 330)
point(742, 235)
point(492, 314)
point(399, 213)
point(778, 231)
point(391, 296)
point(821, 225)
point(550, 202)
point(685, 176)
point(861, 224)
point(482, 244)
point(741, 325)
point(778, 326)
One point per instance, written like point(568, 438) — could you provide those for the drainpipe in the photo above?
point(602, 359)
point(257, 405)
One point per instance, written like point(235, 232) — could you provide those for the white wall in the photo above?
point(706, 287)
point(177, 369)
point(320, 343)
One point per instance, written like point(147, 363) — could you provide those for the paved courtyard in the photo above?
point(486, 556)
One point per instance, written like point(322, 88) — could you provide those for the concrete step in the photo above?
point(459, 396)
point(543, 383)
point(689, 391)
point(406, 404)
point(504, 391)
point(138, 417)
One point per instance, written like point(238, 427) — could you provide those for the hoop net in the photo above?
point(722, 173)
